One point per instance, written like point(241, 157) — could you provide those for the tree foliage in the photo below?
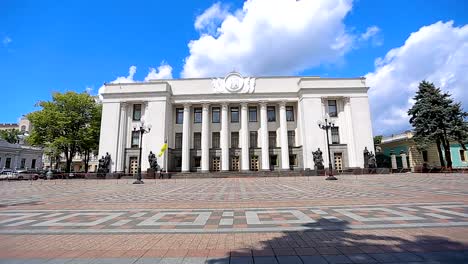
point(68, 124)
point(10, 135)
point(436, 118)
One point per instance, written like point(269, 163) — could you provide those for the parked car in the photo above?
point(8, 175)
point(27, 175)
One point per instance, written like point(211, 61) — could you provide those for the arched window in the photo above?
point(23, 128)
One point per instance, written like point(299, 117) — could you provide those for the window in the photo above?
point(178, 140)
point(272, 139)
point(23, 128)
point(197, 115)
point(253, 139)
point(215, 111)
point(136, 112)
point(197, 140)
point(23, 163)
point(424, 154)
point(196, 161)
point(462, 155)
point(33, 163)
point(135, 139)
point(289, 113)
point(252, 114)
point(234, 114)
point(8, 163)
point(273, 161)
point(179, 115)
point(178, 162)
point(332, 110)
point(335, 135)
point(293, 160)
point(215, 140)
point(234, 139)
point(291, 138)
point(271, 114)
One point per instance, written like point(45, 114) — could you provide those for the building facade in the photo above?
point(236, 123)
point(16, 156)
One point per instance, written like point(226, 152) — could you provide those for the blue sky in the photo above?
point(49, 46)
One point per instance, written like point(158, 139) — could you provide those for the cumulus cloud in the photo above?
point(437, 53)
point(163, 72)
point(121, 79)
point(270, 37)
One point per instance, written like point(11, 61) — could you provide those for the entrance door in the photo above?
point(133, 165)
point(338, 161)
point(235, 163)
point(254, 163)
point(216, 164)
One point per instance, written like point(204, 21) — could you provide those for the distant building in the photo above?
point(78, 164)
point(24, 125)
point(402, 152)
point(16, 156)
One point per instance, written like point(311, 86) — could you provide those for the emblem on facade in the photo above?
point(234, 83)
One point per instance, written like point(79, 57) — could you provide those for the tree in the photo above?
point(89, 137)
point(378, 139)
point(10, 135)
point(436, 118)
point(62, 123)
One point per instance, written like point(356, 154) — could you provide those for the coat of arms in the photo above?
point(234, 83)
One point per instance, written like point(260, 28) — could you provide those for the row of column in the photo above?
point(244, 137)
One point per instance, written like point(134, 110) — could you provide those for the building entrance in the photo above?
point(254, 163)
point(133, 165)
point(216, 164)
point(338, 161)
point(235, 163)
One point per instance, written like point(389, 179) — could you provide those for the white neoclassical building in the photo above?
point(236, 123)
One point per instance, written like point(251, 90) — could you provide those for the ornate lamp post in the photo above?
point(143, 129)
point(326, 125)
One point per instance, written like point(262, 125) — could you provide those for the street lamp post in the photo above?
point(143, 129)
point(326, 126)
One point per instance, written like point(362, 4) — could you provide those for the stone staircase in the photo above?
point(235, 174)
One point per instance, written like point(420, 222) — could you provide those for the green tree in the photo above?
point(89, 136)
point(377, 139)
point(437, 118)
point(62, 123)
point(10, 135)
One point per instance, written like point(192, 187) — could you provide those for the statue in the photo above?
point(153, 161)
point(372, 161)
point(101, 167)
point(318, 160)
point(366, 158)
point(107, 161)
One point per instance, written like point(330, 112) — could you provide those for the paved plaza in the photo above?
point(399, 218)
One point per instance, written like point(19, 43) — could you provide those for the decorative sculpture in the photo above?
point(318, 160)
point(234, 83)
point(366, 157)
point(372, 161)
point(107, 161)
point(103, 165)
point(153, 162)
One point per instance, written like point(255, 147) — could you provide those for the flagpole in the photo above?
point(165, 156)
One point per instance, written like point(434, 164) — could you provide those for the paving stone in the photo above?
point(241, 260)
point(211, 260)
point(406, 256)
point(194, 260)
point(289, 260)
point(361, 258)
point(337, 259)
point(148, 261)
point(313, 260)
point(383, 257)
point(265, 260)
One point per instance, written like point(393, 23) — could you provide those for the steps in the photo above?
point(235, 174)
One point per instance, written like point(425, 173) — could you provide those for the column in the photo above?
point(186, 139)
point(350, 132)
point(244, 140)
point(224, 137)
point(284, 137)
point(205, 144)
point(122, 137)
point(393, 159)
point(264, 136)
point(404, 161)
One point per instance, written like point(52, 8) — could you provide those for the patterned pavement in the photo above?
point(402, 218)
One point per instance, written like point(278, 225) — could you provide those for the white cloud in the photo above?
point(89, 89)
point(6, 40)
point(210, 19)
point(121, 79)
point(437, 53)
point(163, 72)
point(270, 37)
point(370, 32)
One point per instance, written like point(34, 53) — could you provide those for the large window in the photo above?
point(293, 160)
point(197, 140)
point(179, 115)
point(178, 140)
point(197, 115)
point(289, 113)
point(23, 163)
point(136, 112)
point(8, 163)
point(215, 140)
point(196, 161)
point(253, 139)
point(335, 135)
point(135, 139)
point(332, 109)
point(273, 161)
point(462, 155)
point(424, 154)
point(33, 163)
point(272, 139)
point(252, 114)
point(291, 138)
point(271, 114)
point(234, 139)
point(216, 115)
point(234, 114)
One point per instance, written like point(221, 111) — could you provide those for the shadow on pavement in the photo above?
point(334, 242)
